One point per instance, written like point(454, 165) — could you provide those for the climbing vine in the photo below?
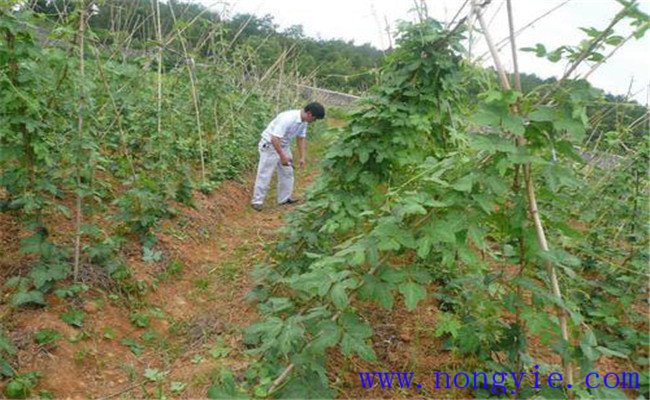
point(426, 184)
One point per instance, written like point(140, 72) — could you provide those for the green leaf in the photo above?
point(17, 389)
point(44, 274)
point(602, 393)
point(596, 57)
point(339, 296)
point(543, 114)
point(539, 50)
point(45, 336)
point(413, 293)
point(6, 345)
point(448, 324)
point(5, 368)
point(575, 129)
point(514, 124)
point(328, 335)
point(74, 318)
point(611, 353)
point(25, 298)
point(350, 344)
point(376, 290)
point(71, 291)
point(225, 388)
point(588, 346)
point(556, 55)
point(154, 375)
point(291, 335)
point(263, 331)
point(219, 349)
point(135, 347)
point(36, 244)
point(412, 208)
point(140, 320)
point(109, 333)
point(465, 183)
point(392, 275)
point(441, 232)
point(177, 387)
point(486, 117)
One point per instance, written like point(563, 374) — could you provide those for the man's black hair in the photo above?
point(316, 109)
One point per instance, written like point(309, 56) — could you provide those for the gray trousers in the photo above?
point(269, 162)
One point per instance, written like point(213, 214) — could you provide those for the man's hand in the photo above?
point(285, 160)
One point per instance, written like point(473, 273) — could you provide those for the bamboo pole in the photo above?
point(189, 62)
point(80, 122)
point(159, 59)
point(531, 197)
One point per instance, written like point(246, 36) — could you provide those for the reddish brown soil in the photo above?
point(218, 243)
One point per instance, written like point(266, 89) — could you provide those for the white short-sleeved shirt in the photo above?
point(286, 125)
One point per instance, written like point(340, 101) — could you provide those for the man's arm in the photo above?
point(302, 150)
point(284, 159)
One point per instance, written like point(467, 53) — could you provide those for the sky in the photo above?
point(366, 21)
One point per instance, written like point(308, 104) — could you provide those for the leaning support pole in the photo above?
point(80, 123)
point(530, 189)
point(189, 62)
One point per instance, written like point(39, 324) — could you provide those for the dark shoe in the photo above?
point(256, 207)
point(289, 202)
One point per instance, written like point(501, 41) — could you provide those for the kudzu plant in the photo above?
point(426, 184)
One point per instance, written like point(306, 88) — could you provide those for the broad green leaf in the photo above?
point(31, 297)
point(177, 387)
point(154, 375)
point(135, 347)
point(412, 293)
point(354, 326)
point(588, 346)
point(486, 117)
point(448, 324)
point(376, 290)
point(339, 296)
point(543, 114)
point(514, 124)
point(5, 368)
point(225, 388)
point(352, 344)
point(465, 183)
point(611, 353)
point(6, 345)
point(43, 274)
point(392, 275)
point(328, 335)
point(291, 335)
point(73, 317)
point(46, 336)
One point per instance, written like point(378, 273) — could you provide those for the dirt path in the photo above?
point(179, 321)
